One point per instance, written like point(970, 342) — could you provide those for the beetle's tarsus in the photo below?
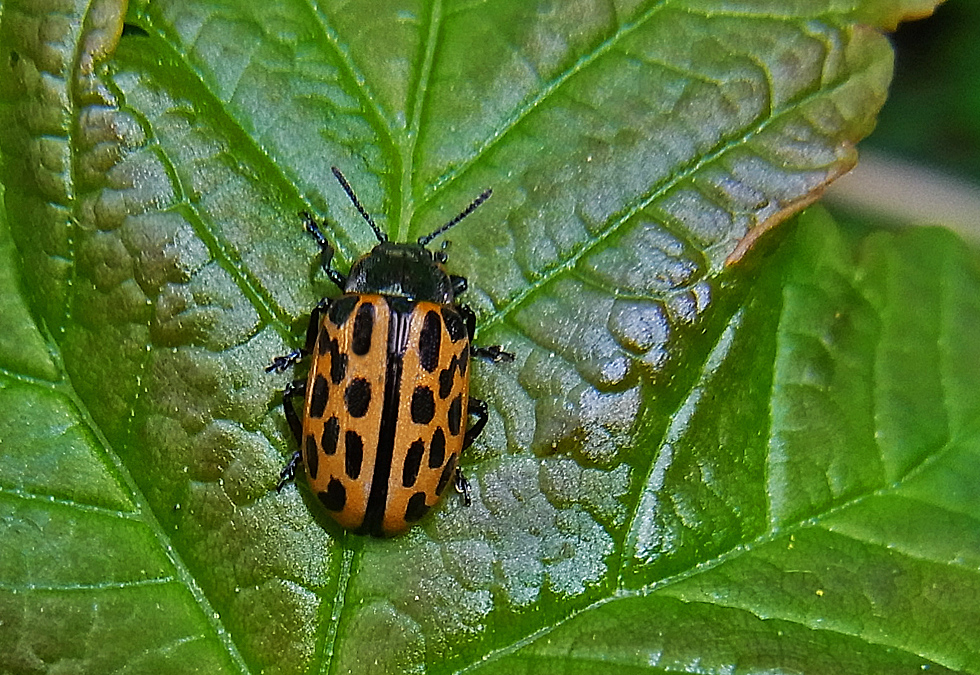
point(494, 353)
point(288, 472)
point(463, 487)
point(281, 364)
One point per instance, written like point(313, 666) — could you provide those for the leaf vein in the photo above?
point(451, 176)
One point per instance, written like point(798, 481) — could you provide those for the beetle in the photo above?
point(386, 401)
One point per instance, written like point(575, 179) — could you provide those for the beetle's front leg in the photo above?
point(326, 250)
point(459, 284)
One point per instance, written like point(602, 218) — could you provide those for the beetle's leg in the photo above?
point(292, 390)
point(313, 327)
point(326, 250)
point(479, 409)
point(296, 388)
point(469, 318)
point(463, 487)
point(459, 286)
point(288, 472)
point(281, 364)
point(493, 353)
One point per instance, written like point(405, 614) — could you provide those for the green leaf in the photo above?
point(80, 554)
point(710, 454)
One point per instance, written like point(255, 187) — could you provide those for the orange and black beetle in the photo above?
point(387, 397)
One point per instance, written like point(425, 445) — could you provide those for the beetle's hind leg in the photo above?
point(463, 487)
point(296, 388)
point(478, 409)
point(288, 472)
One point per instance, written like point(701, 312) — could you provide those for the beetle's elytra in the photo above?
point(386, 402)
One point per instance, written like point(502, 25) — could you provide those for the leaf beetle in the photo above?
point(386, 402)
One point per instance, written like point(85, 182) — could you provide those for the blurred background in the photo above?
point(922, 163)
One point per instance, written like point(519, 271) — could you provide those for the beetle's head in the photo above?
point(405, 270)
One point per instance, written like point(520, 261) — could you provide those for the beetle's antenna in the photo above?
point(360, 209)
point(465, 212)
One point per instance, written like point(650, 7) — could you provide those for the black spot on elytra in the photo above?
point(430, 338)
point(416, 507)
point(464, 359)
point(338, 363)
point(358, 397)
point(413, 461)
point(446, 378)
point(341, 308)
point(454, 324)
point(447, 474)
point(437, 450)
point(335, 496)
point(312, 457)
point(318, 398)
point(322, 341)
point(353, 454)
point(423, 405)
point(456, 415)
point(331, 432)
point(363, 327)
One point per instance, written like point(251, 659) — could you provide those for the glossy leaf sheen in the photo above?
point(702, 460)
